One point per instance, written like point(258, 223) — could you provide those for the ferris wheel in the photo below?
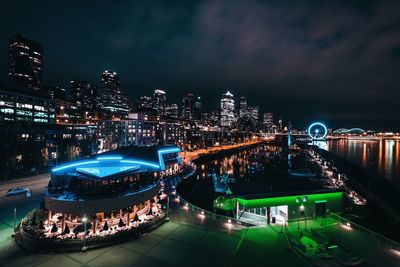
point(317, 131)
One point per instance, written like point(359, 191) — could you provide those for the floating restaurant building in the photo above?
point(113, 193)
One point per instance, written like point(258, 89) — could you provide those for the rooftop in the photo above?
point(273, 185)
point(149, 153)
point(126, 159)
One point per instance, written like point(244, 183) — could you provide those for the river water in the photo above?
point(380, 157)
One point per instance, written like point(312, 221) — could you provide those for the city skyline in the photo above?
point(277, 72)
point(109, 88)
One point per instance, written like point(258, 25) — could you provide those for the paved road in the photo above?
point(20, 203)
point(36, 183)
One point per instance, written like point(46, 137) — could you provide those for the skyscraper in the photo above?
point(188, 108)
point(210, 118)
point(197, 109)
point(145, 103)
point(111, 97)
point(83, 94)
point(227, 110)
point(268, 121)
point(159, 101)
point(55, 92)
point(25, 62)
point(171, 110)
point(253, 113)
point(242, 107)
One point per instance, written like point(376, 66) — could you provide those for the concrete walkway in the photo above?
point(189, 239)
point(373, 252)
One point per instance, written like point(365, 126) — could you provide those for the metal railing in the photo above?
point(380, 239)
point(247, 222)
point(217, 217)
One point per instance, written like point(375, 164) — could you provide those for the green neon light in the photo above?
point(333, 246)
point(288, 200)
point(229, 203)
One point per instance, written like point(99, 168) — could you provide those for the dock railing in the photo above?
point(380, 239)
point(217, 217)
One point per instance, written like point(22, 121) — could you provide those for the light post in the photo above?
point(28, 194)
point(84, 220)
point(303, 214)
point(15, 217)
point(305, 221)
point(298, 223)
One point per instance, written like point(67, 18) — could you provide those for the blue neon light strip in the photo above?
point(153, 165)
point(160, 166)
point(166, 151)
point(109, 158)
point(74, 165)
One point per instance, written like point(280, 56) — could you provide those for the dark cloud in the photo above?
point(300, 59)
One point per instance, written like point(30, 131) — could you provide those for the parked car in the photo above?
point(19, 191)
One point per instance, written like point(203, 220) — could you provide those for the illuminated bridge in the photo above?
point(351, 131)
point(361, 134)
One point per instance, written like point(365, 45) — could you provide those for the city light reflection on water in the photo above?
point(381, 157)
point(239, 164)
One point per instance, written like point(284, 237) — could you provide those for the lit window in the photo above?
point(7, 110)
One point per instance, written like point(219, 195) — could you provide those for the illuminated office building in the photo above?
point(17, 104)
point(159, 101)
point(188, 107)
point(268, 121)
point(171, 111)
point(110, 95)
point(227, 110)
point(25, 62)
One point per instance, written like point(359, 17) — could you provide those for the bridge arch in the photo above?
point(356, 131)
point(341, 131)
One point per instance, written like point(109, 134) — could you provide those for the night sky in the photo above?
point(335, 61)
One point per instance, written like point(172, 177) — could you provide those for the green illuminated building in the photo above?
point(287, 206)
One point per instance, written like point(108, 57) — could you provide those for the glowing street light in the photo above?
point(202, 215)
point(84, 220)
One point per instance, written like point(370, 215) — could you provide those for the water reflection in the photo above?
point(243, 164)
point(381, 157)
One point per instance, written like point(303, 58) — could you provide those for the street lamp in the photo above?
point(15, 218)
point(303, 214)
point(84, 220)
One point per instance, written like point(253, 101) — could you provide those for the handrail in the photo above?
point(245, 223)
point(215, 216)
point(222, 218)
point(378, 237)
point(218, 217)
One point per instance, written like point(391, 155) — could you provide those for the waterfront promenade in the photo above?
point(190, 238)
